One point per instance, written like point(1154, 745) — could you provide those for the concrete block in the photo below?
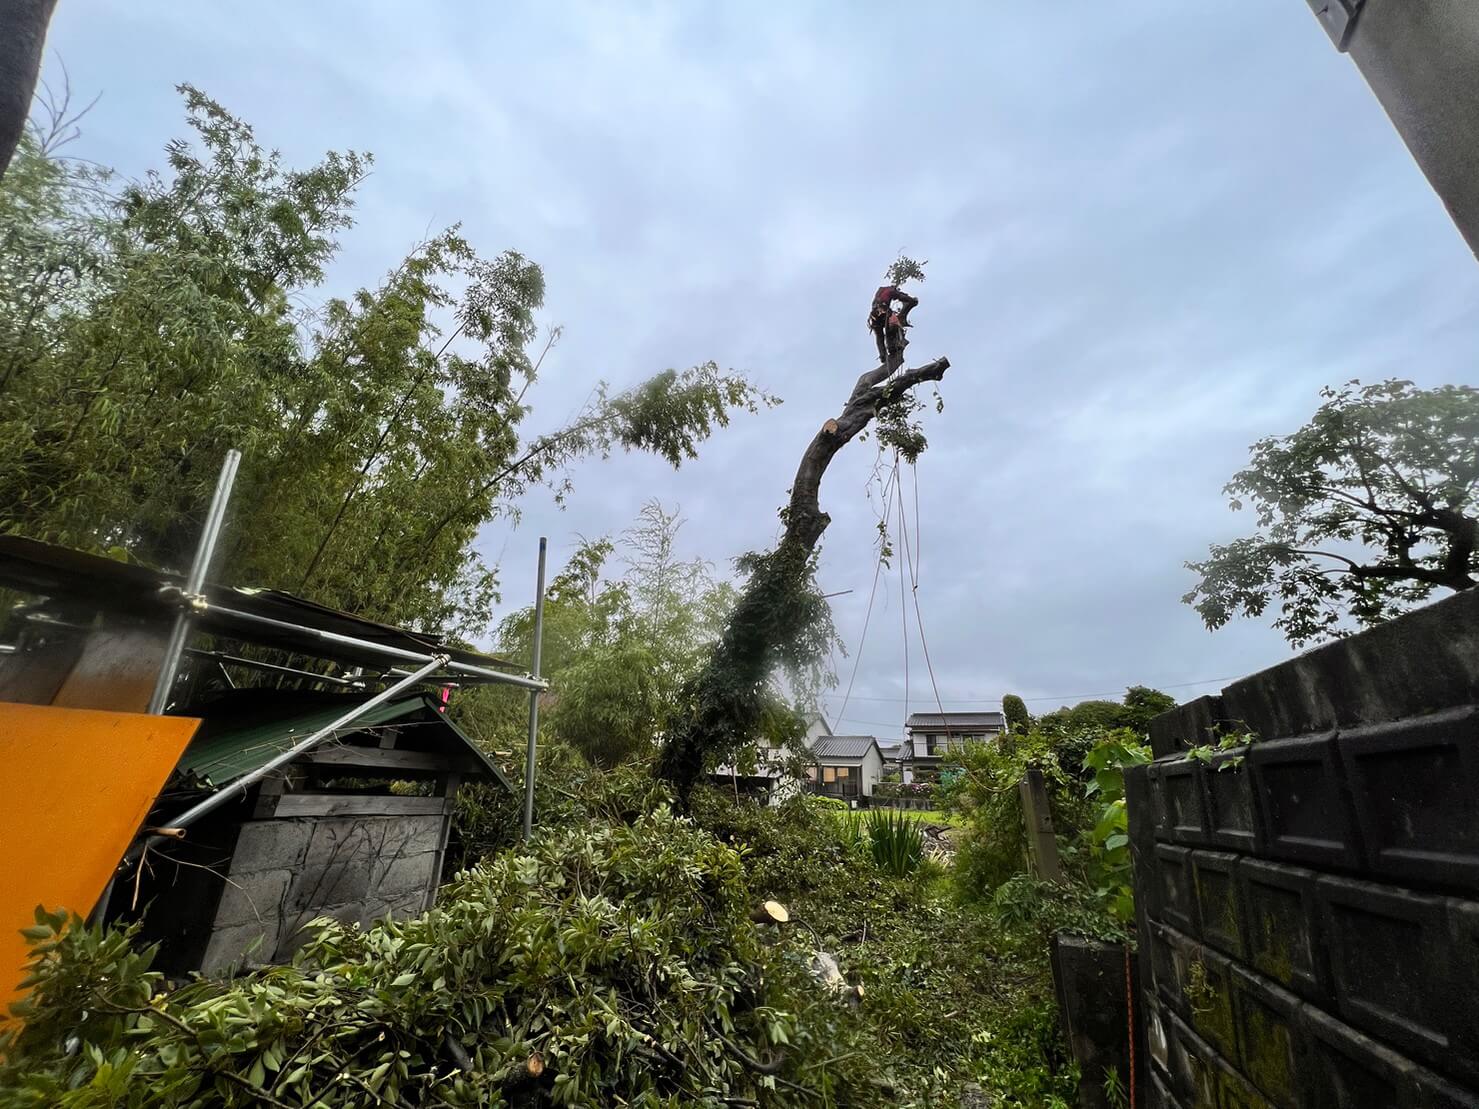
point(1188, 725)
point(1415, 788)
point(1433, 1092)
point(1174, 892)
point(1180, 809)
point(253, 898)
point(1161, 1096)
point(271, 845)
point(1302, 801)
point(1089, 979)
point(1156, 1043)
point(1232, 817)
point(1389, 965)
point(1193, 1070)
point(1282, 926)
point(413, 835)
point(243, 945)
point(1169, 959)
point(1338, 17)
point(1271, 1038)
point(1350, 1071)
point(1211, 1001)
point(1236, 1092)
point(1461, 969)
point(1423, 662)
point(405, 874)
point(1218, 904)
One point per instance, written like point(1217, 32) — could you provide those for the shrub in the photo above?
point(895, 841)
point(603, 965)
point(1109, 839)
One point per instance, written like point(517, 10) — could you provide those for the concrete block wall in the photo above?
point(286, 872)
point(1309, 905)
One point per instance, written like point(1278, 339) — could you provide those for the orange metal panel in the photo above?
point(75, 784)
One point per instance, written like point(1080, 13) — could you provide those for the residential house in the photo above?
point(932, 739)
point(769, 780)
point(847, 766)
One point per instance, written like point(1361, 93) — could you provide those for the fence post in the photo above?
point(1042, 845)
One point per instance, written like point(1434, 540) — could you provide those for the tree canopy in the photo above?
point(1135, 711)
point(617, 648)
point(148, 326)
point(1365, 511)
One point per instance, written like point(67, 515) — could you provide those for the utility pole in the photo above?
point(1421, 58)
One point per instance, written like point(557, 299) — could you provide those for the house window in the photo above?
point(829, 774)
point(842, 773)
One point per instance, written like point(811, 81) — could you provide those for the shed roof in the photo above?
point(236, 739)
point(124, 587)
point(962, 720)
point(843, 748)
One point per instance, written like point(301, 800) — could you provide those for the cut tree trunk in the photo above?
point(722, 704)
point(23, 25)
point(805, 520)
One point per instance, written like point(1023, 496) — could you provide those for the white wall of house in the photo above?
point(872, 770)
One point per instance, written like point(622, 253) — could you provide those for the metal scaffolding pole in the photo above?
point(272, 668)
point(534, 698)
point(195, 583)
point(369, 646)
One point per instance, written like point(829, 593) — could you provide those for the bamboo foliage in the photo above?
point(148, 326)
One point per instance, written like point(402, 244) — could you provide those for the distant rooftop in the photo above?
point(843, 746)
point(963, 721)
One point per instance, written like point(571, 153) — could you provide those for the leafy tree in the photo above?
point(1362, 513)
point(617, 650)
point(1085, 714)
point(1135, 711)
point(1015, 711)
point(147, 328)
point(1143, 704)
point(780, 621)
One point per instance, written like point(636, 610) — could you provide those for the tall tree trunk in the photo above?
point(23, 26)
point(722, 706)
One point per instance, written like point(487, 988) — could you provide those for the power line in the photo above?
point(1050, 697)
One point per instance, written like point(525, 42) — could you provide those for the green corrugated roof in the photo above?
point(224, 753)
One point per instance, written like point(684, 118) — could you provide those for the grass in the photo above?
point(933, 816)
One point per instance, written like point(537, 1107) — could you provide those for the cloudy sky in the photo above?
point(1153, 231)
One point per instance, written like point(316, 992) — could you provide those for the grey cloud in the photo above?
point(1154, 232)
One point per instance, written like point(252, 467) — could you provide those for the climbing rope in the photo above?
point(914, 567)
point(888, 489)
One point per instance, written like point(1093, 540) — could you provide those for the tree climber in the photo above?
point(886, 324)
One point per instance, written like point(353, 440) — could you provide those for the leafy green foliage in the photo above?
point(620, 956)
point(1015, 711)
point(780, 624)
point(148, 327)
point(951, 996)
point(993, 845)
point(1109, 840)
point(1141, 704)
point(618, 649)
point(617, 950)
point(1362, 513)
point(895, 842)
point(904, 268)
